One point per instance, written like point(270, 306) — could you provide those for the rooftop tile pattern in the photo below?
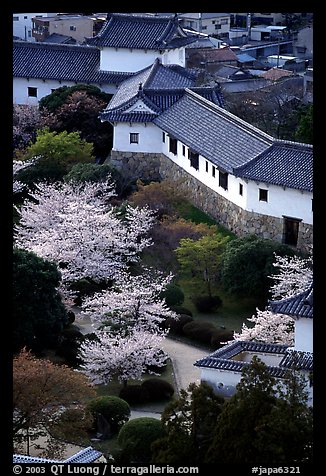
point(284, 163)
point(222, 358)
point(298, 306)
point(298, 360)
point(86, 455)
point(221, 137)
point(141, 31)
point(62, 63)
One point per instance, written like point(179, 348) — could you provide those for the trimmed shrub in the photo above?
point(201, 331)
point(207, 303)
point(181, 310)
point(115, 410)
point(158, 389)
point(219, 336)
point(173, 295)
point(176, 325)
point(134, 394)
point(136, 437)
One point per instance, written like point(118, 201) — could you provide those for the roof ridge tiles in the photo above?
point(228, 115)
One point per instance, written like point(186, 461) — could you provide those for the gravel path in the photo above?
point(183, 356)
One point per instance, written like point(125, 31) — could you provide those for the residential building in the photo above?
point(210, 23)
point(23, 25)
point(76, 26)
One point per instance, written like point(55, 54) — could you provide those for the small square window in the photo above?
point(173, 146)
point(206, 166)
point(240, 189)
point(263, 195)
point(163, 136)
point(134, 138)
point(32, 92)
point(183, 150)
point(213, 171)
point(72, 28)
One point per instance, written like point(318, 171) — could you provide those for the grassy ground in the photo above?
point(231, 314)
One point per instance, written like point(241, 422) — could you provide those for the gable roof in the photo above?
point(208, 129)
point(158, 87)
point(78, 63)
point(298, 306)
point(284, 163)
point(141, 31)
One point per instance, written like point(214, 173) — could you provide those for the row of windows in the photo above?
point(222, 176)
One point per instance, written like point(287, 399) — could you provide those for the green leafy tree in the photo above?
point(304, 131)
point(39, 314)
point(56, 154)
point(201, 259)
point(248, 263)
point(189, 423)
point(263, 424)
point(80, 113)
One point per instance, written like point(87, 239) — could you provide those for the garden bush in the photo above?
point(176, 325)
point(136, 437)
point(115, 410)
point(173, 295)
point(219, 337)
point(134, 394)
point(200, 331)
point(158, 389)
point(207, 303)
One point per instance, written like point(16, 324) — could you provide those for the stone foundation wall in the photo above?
point(241, 222)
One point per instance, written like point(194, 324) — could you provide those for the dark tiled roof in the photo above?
point(140, 31)
point(299, 360)
point(222, 358)
point(284, 163)
point(213, 132)
point(57, 38)
point(154, 77)
point(86, 455)
point(61, 62)
point(300, 305)
point(158, 87)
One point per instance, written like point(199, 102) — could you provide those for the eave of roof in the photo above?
point(62, 62)
point(298, 306)
point(140, 31)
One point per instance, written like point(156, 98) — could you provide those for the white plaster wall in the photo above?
point(303, 335)
point(150, 137)
point(177, 56)
point(127, 59)
point(220, 379)
point(289, 202)
point(21, 85)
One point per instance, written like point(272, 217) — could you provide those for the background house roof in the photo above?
point(62, 63)
point(141, 31)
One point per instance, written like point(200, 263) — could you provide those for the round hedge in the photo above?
point(115, 410)
point(134, 394)
point(136, 437)
point(175, 326)
point(201, 331)
point(158, 389)
point(173, 295)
